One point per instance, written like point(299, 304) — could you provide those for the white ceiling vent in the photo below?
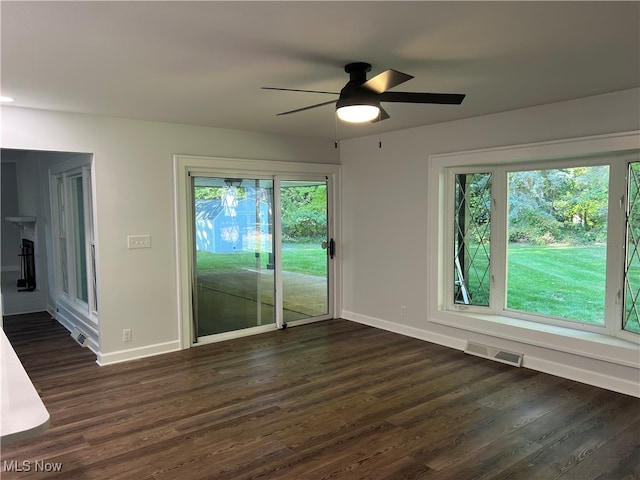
point(493, 353)
point(79, 337)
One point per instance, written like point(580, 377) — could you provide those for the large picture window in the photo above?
point(554, 244)
point(557, 242)
point(551, 241)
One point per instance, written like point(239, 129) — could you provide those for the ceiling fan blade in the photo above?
point(383, 116)
point(415, 97)
point(296, 90)
point(306, 108)
point(386, 80)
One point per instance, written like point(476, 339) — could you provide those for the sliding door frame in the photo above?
point(331, 265)
point(186, 166)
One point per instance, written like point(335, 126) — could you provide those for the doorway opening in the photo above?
point(48, 243)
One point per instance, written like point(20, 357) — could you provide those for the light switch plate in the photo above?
point(139, 241)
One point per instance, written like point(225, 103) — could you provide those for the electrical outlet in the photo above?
point(403, 310)
point(139, 241)
point(126, 335)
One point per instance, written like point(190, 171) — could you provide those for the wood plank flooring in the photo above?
point(332, 400)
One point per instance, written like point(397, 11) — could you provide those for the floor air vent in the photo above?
point(494, 353)
point(79, 337)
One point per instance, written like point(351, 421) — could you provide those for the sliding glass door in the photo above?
point(306, 249)
point(234, 279)
point(262, 251)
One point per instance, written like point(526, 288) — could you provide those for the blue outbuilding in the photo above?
point(233, 228)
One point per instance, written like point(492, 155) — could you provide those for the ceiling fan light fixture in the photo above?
point(358, 113)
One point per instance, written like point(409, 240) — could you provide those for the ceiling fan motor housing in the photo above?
point(357, 71)
point(353, 92)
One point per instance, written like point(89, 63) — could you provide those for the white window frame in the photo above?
point(609, 343)
point(63, 174)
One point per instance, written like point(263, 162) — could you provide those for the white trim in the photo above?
point(224, 336)
point(444, 340)
point(278, 296)
point(307, 321)
point(69, 319)
point(555, 149)
point(241, 166)
point(539, 364)
point(589, 377)
point(137, 353)
point(247, 332)
point(581, 343)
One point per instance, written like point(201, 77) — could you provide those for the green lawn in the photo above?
point(299, 258)
point(561, 281)
point(309, 258)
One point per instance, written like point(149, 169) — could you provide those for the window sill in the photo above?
point(577, 342)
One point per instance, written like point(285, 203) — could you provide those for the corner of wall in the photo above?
point(540, 364)
point(137, 353)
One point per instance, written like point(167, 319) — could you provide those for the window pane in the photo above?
point(556, 255)
point(94, 282)
point(630, 321)
point(62, 237)
point(472, 221)
point(235, 282)
point(79, 239)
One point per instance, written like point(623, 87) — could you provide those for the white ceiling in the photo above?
point(203, 63)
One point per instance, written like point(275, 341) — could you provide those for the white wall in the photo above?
point(384, 230)
point(10, 240)
point(384, 227)
point(134, 195)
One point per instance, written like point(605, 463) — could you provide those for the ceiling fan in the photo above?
point(359, 100)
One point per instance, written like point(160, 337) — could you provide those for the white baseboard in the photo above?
point(405, 330)
point(569, 372)
point(91, 342)
point(137, 353)
point(589, 377)
point(68, 323)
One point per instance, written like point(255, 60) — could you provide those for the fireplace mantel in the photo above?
point(22, 221)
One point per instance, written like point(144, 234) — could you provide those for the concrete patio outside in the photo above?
point(229, 301)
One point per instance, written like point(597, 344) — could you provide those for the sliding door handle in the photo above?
point(331, 246)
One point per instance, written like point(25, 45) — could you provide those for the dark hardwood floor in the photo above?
point(332, 400)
